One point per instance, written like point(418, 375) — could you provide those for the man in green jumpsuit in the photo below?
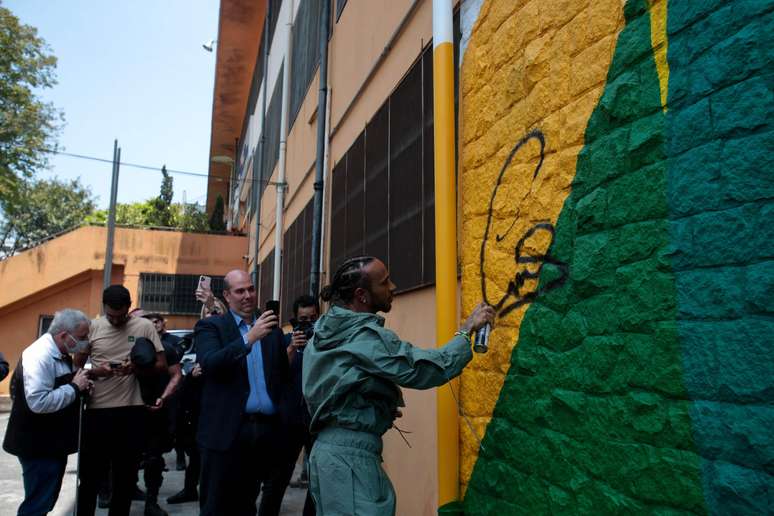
point(353, 368)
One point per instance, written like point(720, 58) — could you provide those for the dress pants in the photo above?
point(231, 479)
point(193, 469)
point(111, 437)
point(159, 442)
point(298, 437)
point(42, 482)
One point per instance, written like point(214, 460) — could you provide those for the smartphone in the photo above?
point(205, 282)
point(273, 305)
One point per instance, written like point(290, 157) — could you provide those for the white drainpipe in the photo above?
point(283, 148)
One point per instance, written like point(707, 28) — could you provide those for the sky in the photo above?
point(133, 71)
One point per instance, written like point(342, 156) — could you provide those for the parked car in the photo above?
point(189, 357)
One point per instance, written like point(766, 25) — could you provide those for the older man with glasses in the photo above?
point(43, 426)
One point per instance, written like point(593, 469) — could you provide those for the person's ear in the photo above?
point(361, 295)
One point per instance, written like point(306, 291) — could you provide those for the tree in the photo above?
point(27, 124)
point(216, 220)
point(39, 209)
point(185, 217)
point(191, 217)
point(161, 214)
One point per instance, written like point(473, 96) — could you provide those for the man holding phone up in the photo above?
point(245, 372)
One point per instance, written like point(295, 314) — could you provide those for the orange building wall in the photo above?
point(66, 272)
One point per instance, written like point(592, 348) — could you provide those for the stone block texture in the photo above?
point(618, 211)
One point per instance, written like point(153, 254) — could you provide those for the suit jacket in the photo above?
point(222, 353)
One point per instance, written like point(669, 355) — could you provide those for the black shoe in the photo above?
point(138, 495)
point(152, 509)
point(183, 496)
point(103, 501)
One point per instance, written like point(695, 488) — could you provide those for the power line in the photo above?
point(124, 163)
point(144, 167)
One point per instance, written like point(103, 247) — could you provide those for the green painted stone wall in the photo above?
point(720, 186)
point(644, 384)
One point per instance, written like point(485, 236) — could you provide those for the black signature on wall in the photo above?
point(514, 296)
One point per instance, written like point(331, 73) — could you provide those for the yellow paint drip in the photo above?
point(660, 43)
point(519, 79)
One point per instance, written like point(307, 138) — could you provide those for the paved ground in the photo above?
point(12, 489)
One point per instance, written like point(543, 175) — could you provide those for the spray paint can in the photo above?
point(482, 339)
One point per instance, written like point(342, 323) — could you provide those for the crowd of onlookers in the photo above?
point(123, 391)
point(241, 399)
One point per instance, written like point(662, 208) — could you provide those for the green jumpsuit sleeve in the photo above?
point(417, 368)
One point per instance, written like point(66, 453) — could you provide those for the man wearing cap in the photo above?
point(115, 421)
point(167, 339)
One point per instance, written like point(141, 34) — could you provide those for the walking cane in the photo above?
point(81, 408)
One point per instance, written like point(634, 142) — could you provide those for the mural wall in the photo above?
point(617, 179)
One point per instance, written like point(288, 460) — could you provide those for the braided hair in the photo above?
point(348, 278)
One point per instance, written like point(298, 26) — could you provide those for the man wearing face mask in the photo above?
point(43, 426)
point(115, 421)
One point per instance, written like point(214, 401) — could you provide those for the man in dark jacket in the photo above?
point(43, 426)
point(245, 369)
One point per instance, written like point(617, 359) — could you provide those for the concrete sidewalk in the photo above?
point(12, 488)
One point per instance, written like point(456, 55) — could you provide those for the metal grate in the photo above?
point(377, 216)
point(297, 259)
point(387, 209)
point(173, 293)
point(382, 192)
point(338, 213)
point(406, 180)
point(355, 199)
point(306, 52)
point(272, 140)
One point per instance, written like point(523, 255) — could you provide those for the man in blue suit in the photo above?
point(245, 372)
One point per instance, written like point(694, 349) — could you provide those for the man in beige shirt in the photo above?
point(115, 421)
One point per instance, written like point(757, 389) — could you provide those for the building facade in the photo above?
point(614, 186)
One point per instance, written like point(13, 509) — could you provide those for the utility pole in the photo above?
point(111, 224)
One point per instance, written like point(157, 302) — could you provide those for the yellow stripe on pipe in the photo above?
point(445, 262)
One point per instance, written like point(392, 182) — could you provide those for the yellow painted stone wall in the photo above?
point(530, 77)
